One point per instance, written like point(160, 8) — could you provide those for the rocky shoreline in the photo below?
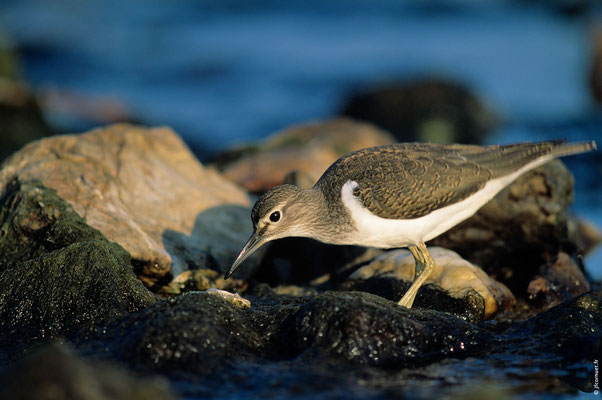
point(111, 238)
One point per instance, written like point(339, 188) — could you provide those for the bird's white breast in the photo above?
point(375, 231)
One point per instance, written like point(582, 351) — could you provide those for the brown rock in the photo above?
point(143, 189)
point(309, 148)
point(91, 110)
point(452, 273)
point(557, 281)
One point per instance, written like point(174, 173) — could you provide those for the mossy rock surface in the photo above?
point(58, 276)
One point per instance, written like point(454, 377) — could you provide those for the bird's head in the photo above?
point(276, 214)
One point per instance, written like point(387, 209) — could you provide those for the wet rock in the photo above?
point(521, 228)
point(346, 344)
point(58, 276)
point(143, 189)
point(470, 307)
point(452, 273)
point(557, 281)
point(200, 333)
point(572, 331)
point(361, 328)
point(194, 333)
point(309, 148)
point(56, 373)
point(429, 110)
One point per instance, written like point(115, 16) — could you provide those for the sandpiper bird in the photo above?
point(399, 195)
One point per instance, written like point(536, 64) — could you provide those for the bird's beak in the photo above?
point(252, 244)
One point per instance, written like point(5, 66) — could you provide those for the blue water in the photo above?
point(229, 71)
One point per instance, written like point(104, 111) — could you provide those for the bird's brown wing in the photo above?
point(410, 180)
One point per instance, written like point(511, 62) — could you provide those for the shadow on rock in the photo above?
point(301, 260)
point(209, 247)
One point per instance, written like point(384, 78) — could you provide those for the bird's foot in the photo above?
point(424, 265)
point(408, 299)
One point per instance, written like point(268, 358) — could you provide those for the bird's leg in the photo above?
point(419, 262)
point(424, 266)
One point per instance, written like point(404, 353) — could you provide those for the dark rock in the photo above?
point(347, 344)
point(470, 307)
point(21, 120)
point(430, 110)
point(361, 328)
point(557, 282)
point(552, 352)
point(199, 333)
point(58, 276)
point(56, 373)
point(194, 333)
point(572, 331)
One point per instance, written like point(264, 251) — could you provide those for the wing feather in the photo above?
point(410, 180)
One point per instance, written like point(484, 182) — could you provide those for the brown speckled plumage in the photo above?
point(410, 180)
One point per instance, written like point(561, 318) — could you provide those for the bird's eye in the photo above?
point(275, 216)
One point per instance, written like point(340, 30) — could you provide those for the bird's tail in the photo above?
point(567, 149)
